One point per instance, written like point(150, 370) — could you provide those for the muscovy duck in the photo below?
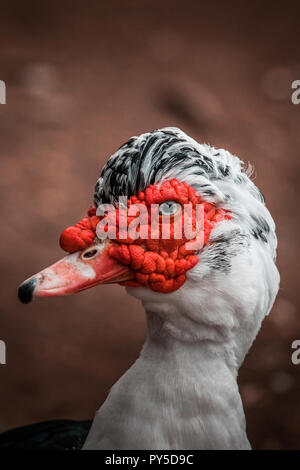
point(204, 302)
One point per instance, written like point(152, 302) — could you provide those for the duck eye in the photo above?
point(89, 254)
point(169, 208)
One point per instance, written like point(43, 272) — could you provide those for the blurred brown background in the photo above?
point(84, 76)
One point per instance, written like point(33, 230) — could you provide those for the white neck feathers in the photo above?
point(177, 395)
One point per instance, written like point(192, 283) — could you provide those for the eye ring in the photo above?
point(169, 208)
point(90, 253)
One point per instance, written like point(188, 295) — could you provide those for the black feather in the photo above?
point(49, 435)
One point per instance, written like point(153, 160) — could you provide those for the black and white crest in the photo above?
point(150, 157)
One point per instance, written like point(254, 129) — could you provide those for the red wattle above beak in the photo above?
point(74, 273)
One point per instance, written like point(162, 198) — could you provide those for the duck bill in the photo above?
point(74, 273)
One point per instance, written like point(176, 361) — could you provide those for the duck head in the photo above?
point(183, 227)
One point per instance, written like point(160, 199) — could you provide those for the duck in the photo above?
point(205, 293)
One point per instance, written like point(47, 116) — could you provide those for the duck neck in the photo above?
point(179, 394)
point(198, 378)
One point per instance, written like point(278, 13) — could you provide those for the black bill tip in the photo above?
point(26, 289)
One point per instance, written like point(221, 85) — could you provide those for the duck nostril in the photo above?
point(89, 254)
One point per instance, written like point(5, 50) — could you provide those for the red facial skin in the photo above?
point(157, 263)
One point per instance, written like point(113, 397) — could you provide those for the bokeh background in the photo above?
point(84, 76)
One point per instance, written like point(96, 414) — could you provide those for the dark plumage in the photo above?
point(50, 435)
